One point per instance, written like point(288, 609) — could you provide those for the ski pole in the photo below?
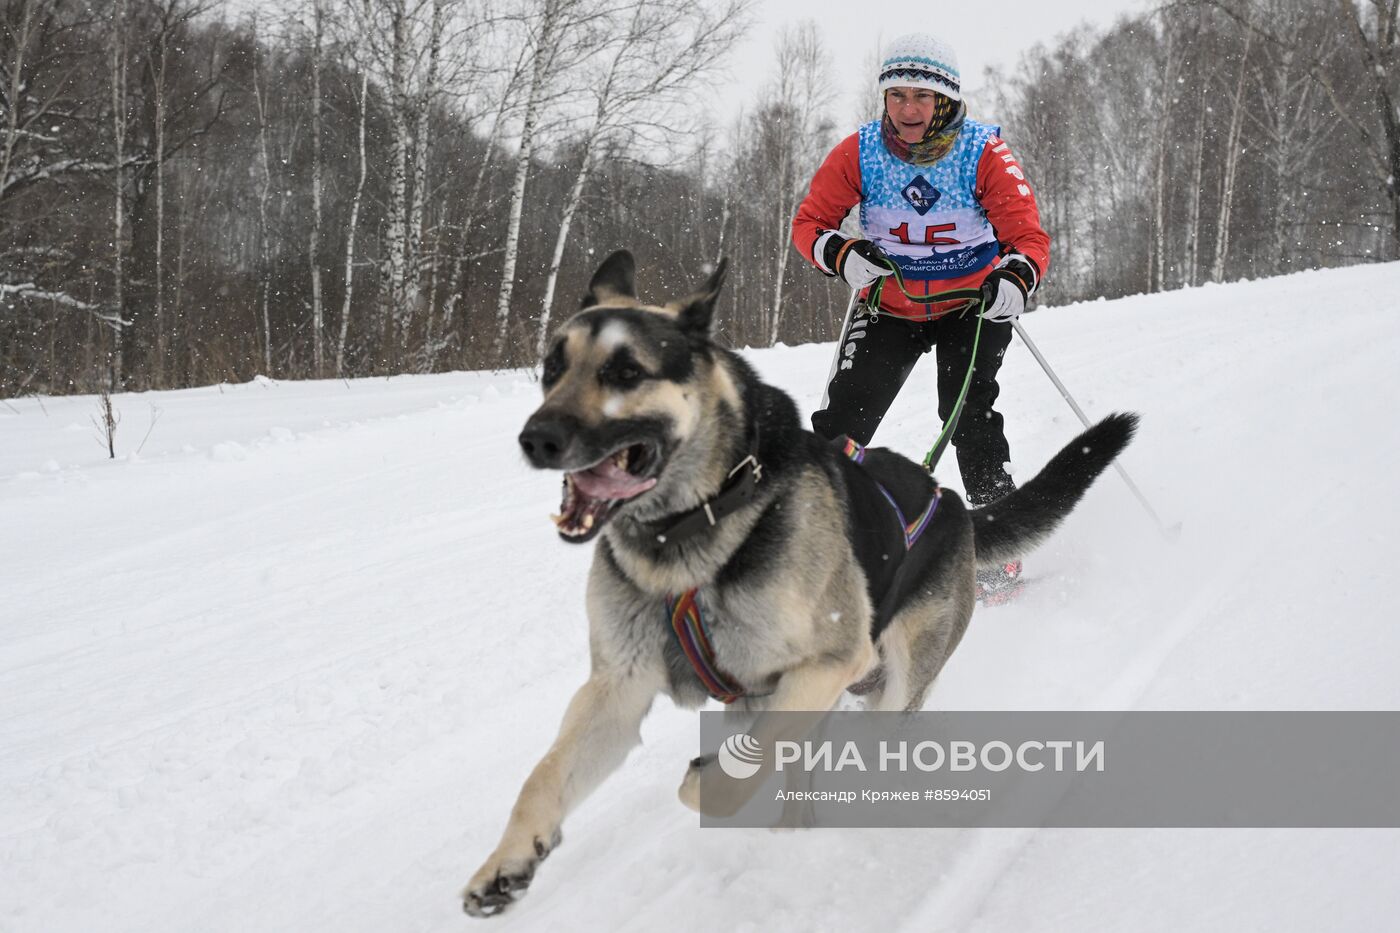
point(1170, 534)
point(850, 312)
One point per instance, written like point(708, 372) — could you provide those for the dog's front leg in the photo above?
point(804, 696)
point(599, 729)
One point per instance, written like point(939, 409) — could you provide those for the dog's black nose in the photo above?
point(544, 440)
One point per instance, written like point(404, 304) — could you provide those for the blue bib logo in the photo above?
point(921, 195)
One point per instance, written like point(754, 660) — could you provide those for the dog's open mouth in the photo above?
point(591, 495)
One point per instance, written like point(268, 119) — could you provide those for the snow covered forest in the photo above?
point(191, 194)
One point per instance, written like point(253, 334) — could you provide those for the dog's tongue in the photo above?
point(607, 481)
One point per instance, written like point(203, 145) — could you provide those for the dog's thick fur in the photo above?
point(786, 600)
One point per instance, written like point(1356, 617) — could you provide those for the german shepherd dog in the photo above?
point(695, 475)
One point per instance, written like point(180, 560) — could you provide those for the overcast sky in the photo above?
point(983, 33)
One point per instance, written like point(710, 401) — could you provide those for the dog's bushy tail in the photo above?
point(1005, 529)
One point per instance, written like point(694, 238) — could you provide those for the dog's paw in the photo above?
point(707, 790)
point(689, 791)
point(505, 878)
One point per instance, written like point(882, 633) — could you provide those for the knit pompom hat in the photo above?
point(920, 60)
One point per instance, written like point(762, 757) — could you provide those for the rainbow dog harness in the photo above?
point(874, 541)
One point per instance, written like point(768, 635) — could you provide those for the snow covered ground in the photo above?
point(286, 668)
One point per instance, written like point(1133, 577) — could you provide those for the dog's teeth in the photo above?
point(557, 519)
point(587, 521)
point(621, 458)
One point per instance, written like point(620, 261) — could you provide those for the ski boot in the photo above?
point(1001, 584)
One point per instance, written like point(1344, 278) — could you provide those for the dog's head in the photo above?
point(625, 387)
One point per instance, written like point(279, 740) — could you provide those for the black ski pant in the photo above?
point(875, 357)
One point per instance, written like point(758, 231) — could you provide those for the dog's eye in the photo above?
point(553, 365)
point(621, 374)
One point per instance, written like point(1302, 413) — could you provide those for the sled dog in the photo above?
point(709, 501)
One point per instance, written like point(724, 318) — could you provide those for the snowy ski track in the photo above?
point(287, 668)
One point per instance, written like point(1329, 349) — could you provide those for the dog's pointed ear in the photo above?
point(615, 278)
point(697, 313)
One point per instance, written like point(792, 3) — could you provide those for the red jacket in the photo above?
point(1002, 191)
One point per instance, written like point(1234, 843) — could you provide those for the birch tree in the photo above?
point(352, 226)
point(470, 248)
point(387, 29)
point(396, 239)
point(555, 34)
point(803, 93)
point(410, 45)
point(1231, 168)
point(159, 70)
point(264, 193)
point(424, 100)
point(317, 169)
point(119, 128)
point(1191, 273)
point(1173, 58)
point(661, 50)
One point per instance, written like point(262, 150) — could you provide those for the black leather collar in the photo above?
point(737, 492)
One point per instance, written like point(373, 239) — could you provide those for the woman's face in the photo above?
point(911, 110)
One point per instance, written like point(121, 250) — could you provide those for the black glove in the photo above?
point(1005, 290)
point(858, 262)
